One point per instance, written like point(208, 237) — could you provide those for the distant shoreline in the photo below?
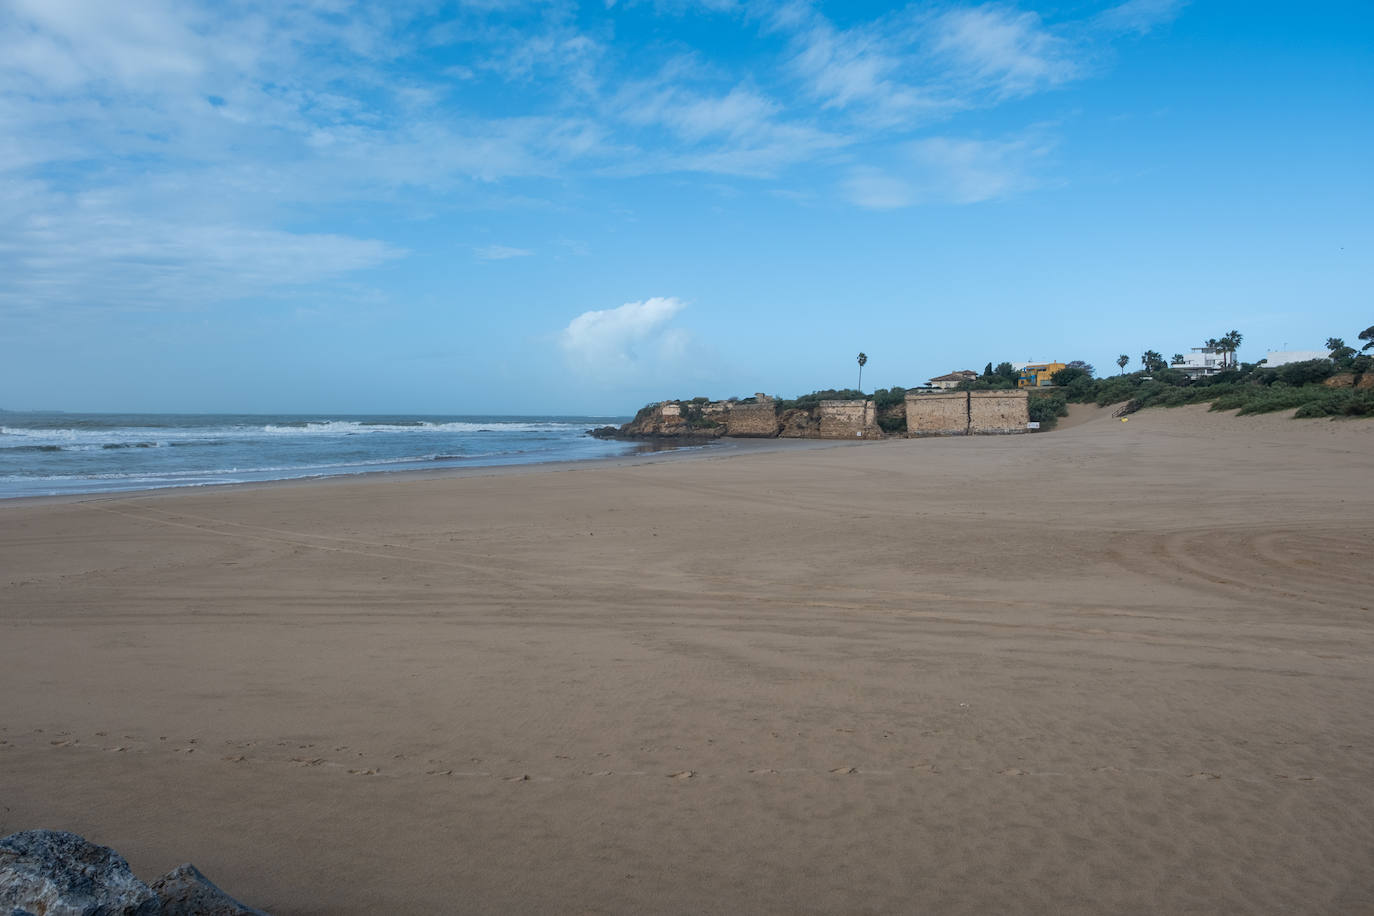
point(718, 448)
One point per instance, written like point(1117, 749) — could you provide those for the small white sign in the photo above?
point(1032, 425)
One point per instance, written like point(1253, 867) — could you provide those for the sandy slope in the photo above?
point(1116, 668)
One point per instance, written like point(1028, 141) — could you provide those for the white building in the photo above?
point(953, 379)
point(1202, 362)
point(1283, 357)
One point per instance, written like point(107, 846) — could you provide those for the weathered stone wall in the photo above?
point(849, 420)
point(759, 419)
point(996, 412)
point(937, 413)
point(799, 423)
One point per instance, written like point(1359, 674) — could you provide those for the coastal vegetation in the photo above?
point(1341, 385)
point(1248, 389)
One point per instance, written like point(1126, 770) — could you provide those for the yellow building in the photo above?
point(1038, 375)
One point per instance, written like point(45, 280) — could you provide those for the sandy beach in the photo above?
point(1120, 667)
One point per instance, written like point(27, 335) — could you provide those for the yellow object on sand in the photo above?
point(1125, 419)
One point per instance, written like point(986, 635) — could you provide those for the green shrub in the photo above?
point(1047, 407)
point(891, 425)
point(1339, 403)
point(815, 397)
point(1315, 370)
point(1068, 375)
point(986, 383)
point(889, 397)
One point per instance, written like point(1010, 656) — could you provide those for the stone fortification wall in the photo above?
point(758, 419)
point(964, 413)
point(998, 412)
point(937, 413)
point(848, 420)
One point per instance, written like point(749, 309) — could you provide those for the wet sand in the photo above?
point(1121, 667)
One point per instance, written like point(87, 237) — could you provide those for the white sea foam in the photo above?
point(82, 454)
point(76, 439)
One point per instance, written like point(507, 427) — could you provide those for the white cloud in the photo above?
point(1139, 16)
point(633, 338)
point(1008, 52)
point(967, 171)
point(86, 251)
point(500, 252)
point(874, 189)
point(950, 170)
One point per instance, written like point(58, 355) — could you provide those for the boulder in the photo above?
point(56, 873)
point(184, 891)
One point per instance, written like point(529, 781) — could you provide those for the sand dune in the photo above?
point(1122, 667)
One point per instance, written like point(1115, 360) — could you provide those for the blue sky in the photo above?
point(506, 207)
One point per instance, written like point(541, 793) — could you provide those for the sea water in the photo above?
point(62, 453)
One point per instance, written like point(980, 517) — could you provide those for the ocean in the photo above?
point(46, 454)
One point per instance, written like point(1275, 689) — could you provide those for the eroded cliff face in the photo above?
point(672, 420)
point(800, 423)
point(758, 417)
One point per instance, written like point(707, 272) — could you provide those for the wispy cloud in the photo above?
point(1139, 16)
point(184, 144)
point(951, 170)
point(1003, 51)
point(965, 171)
point(500, 252)
point(88, 250)
point(874, 189)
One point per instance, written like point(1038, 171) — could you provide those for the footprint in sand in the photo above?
point(235, 759)
point(1012, 771)
point(523, 777)
point(765, 771)
point(310, 761)
point(845, 771)
point(1204, 775)
point(367, 772)
point(685, 774)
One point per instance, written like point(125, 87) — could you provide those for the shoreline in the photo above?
point(718, 448)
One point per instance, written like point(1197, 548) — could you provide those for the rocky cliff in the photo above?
point(758, 417)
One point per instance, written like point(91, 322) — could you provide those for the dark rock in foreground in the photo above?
point(184, 891)
point(57, 873)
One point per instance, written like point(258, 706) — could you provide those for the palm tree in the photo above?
point(863, 361)
point(1177, 360)
point(1228, 345)
point(1151, 360)
point(1340, 353)
point(1121, 361)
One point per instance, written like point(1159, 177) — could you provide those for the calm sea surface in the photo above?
point(56, 453)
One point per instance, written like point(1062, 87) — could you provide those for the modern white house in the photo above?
point(1202, 362)
point(1283, 357)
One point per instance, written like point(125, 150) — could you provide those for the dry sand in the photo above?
point(1117, 668)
